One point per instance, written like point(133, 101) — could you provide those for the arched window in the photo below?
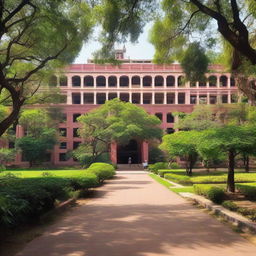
point(159, 81)
point(53, 81)
point(124, 81)
point(181, 81)
point(212, 81)
point(135, 80)
point(147, 81)
point(63, 81)
point(88, 81)
point(76, 81)
point(170, 81)
point(232, 82)
point(101, 81)
point(223, 81)
point(112, 81)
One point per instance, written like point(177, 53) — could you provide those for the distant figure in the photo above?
point(130, 161)
point(145, 164)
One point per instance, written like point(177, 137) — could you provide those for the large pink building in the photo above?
point(159, 89)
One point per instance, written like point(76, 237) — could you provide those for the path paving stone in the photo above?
point(133, 215)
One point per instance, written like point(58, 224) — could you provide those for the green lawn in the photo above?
point(181, 177)
point(170, 186)
point(39, 173)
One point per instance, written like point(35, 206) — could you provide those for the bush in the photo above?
point(102, 170)
point(174, 166)
point(230, 205)
point(214, 193)
point(249, 190)
point(25, 199)
point(179, 178)
point(157, 166)
point(161, 173)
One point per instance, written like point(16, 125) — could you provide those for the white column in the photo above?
point(130, 97)
point(95, 98)
point(118, 95)
point(153, 82)
point(153, 98)
point(69, 98)
point(176, 98)
point(141, 82)
point(107, 96)
point(94, 81)
point(176, 81)
point(218, 81)
point(208, 98)
point(118, 81)
point(229, 81)
point(165, 98)
point(207, 82)
point(229, 97)
point(197, 84)
point(165, 84)
point(69, 82)
point(82, 98)
point(197, 98)
point(106, 81)
point(187, 98)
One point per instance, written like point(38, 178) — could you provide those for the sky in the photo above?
point(141, 50)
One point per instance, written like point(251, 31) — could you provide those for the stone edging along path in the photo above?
point(234, 218)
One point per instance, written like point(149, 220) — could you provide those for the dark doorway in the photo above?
point(132, 150)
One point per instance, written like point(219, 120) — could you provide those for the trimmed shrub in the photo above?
point(161, 173)
point(249, 190)
point(230, 205)
point(102, 170)
point(179, 178)
point(157, 166)
point(214, 193)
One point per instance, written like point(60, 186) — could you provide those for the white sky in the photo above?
point(141, 50)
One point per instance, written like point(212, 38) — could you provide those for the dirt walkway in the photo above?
point(135, 216)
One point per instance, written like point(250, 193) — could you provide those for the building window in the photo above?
point(76, 144)
point(88, 98)
point(213, 99)
point(170, 118)
point(224, 98)
point(193, 99)
point(170, 98)
point(170, 81)
point(101, 98)
point(63, 145)
point(63, 81)
point(202, 84)
point(112, 81)
point(76, 81)
point(170, 130)
point(88, 81)
point(181, 81)
point(181, 98)
point(135, 81)
point(159, 98)
point(76, 98)
point(75, 132)
point(136, 98)
point(63, 132)
point(75, 116)
point(223, 81)
point(101, 81)
point(159, 81)
point(212, 81)
point(203, 99)
point(147, 81)
point(53, 81)
point(124, 81)
point(62, 157)
point(112, 96)
point(192, 84)
point(124, 97)
point(232, 82)
point(147, 98)
point(159, 115)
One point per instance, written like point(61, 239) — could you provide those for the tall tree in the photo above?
point(116, 121)
point(35, 38)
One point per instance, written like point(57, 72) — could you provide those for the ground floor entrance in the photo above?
point(136, 150)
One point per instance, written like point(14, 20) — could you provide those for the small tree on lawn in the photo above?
point(230, 140)
point(40, 138)
point(182, 144)
point(116, 121)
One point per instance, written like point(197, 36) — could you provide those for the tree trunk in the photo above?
point(247, 163)
point(231, 172)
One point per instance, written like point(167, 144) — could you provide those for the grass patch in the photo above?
point(160, 180)
point(187, 189)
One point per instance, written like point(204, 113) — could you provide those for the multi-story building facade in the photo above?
point(159, 89)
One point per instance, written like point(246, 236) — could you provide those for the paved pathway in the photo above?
point(135, 216)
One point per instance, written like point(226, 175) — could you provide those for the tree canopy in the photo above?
point(116, 121)
point(37, 37)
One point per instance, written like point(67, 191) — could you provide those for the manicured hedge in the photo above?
point(183, 179)
point(25, 199)
point(102, 170)
point(214, 193)
point(157, 166)
point(249, 190)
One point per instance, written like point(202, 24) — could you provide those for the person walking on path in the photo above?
point(130, 161)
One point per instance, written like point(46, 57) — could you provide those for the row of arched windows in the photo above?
point(147, 81)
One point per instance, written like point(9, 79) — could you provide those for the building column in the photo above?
point(144, 151)
point(107, 96)
point(218, 81)
point(229, 81)
point(176, 98)
point(69, 97)
point(229, 97)
point(176, 81)
point(141, 82)
point(165, 83)
point(106, 81)
point(187, 98)
point(94, 82)
point(165, 98)
point(69, 81)
point(208, 98)
point(130, 97)
point(118, 82)
point(153, 82)
point(153, 98)
point(113, 152)
point(197, 98)
point(95, 98)
point(82, 98)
